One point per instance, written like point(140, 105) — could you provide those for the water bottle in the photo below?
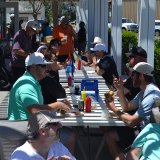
point(68, 71)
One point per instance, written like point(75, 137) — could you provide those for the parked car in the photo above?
point(128, 25)
point(157, 27)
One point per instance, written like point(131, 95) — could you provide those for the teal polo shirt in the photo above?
point(148, 140)
point(25, 92)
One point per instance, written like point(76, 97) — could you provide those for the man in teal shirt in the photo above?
point(146, 145)
point(25, 92)
point(25, 96)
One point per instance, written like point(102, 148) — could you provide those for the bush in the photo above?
point(127, 39)
point(157, 61)
point(132, 38)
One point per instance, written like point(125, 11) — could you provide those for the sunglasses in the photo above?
point(41, 65)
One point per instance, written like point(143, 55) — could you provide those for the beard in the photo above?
point(54, 136)
point(136, 82)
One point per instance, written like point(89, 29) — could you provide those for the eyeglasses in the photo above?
point(42, 66)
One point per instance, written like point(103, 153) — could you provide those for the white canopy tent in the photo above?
point(95, 14)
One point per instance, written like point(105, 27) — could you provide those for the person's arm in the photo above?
point(126, 106)
point(63, 105)
point(130, 120)
point(134, 154)
point(21, 52)
point(72, 31)
point(18, 50)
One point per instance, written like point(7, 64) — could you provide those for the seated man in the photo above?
point(138, 54)
point(146, 145)
point(142, 76)
point(106, 66)
point(43, 139)
point(51, 88)
point(26, 96)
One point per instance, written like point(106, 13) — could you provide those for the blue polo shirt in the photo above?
point(25, 92)
point(145, 102)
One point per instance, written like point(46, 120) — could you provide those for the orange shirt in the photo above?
point(59, 32)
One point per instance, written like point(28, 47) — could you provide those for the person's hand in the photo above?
point(65, 105)
point(110, 105)
point(64, 157)
point(118, 83)
point(99, 71)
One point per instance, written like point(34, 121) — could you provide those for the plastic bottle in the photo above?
point(88, 104)
point(83, 95)
point(79, 64)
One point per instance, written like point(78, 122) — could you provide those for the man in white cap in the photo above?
point(22, 47)
point(97, 40)
point(142, 77)
point(25, 96)
point(106, 66)
point(43, 139)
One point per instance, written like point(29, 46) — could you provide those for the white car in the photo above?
point(157, 27)
point(128, 25)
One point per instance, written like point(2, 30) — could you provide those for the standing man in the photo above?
point(22, 47)
point(66, 34)
point(43, 139)
point(81, 38)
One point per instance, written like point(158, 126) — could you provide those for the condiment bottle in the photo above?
point(88, 104)
point(70, 81)
point(83, 95)
point(79, 64)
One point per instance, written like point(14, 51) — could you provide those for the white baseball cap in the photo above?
point(12, 15)
point(32, 24)
point(144, 68)
point(41, 47)
point(99, 47)
point(97, 40)
point(36, 58)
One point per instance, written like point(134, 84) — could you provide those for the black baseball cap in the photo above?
point(138, 51)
